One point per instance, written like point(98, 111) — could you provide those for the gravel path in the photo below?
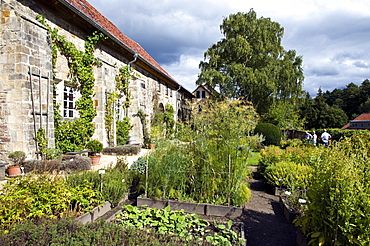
point(265, 224)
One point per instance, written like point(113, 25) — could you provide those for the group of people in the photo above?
point(325, 137)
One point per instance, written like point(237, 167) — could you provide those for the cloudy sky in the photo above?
point(332, 36)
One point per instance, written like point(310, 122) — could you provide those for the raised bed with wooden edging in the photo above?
point(196, 208)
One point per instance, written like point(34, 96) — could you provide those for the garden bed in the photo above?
point(289, 214)
point(197, 208)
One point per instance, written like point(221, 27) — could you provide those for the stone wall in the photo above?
point(24, 50)
point(25, 69)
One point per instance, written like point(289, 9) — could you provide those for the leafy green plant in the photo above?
point(42, 141)
point(113, 184)
point(17, 157)
point(123, 129)
point(289, 175)
point(212, 168)
point(95, 146)
point(139, 165)
point(165, 221)
point(43, 196)
point(73, 135)
point(53, 154)
point(271, 133)
point(338, 198)
point(66, 231)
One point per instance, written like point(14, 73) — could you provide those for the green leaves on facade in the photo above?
point(80, 64)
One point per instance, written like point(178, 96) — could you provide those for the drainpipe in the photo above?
point(134, 60)
point(177, 98)
point(129, 69)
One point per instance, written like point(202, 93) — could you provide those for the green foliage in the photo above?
point(213, 167)
point(73, 135)
point(163, 123)
point(271, 133)
point(338, 208)
point(52, 154)
point(66, 231)
point(123, 128)
point(17, 157)
point(142, 116)
point(112, 184)
point(42, 141)
point(353, 99)
point(179, 223)
point(250, 63)
point(95, 146)
point(43, 196)
point(288, 174)
point(320, 115)
point(338, 134)
point(139, 165)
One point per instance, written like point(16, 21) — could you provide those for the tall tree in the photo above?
point(250, 63)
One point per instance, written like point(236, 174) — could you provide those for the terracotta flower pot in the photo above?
point(95, 159)
point(14, 171)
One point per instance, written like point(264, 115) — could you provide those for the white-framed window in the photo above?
point(69, 102)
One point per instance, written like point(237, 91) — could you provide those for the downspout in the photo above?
point(134, 60)
point(177, 98)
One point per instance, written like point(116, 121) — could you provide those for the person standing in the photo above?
point(307, 137)
point(325, 137)
point(314, 138)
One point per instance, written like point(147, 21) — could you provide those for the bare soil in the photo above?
point(265, 224)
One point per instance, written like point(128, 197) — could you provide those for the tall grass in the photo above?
point(212, 167)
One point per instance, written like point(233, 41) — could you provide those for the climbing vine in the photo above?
point(73, 135)
point(42, 141)
point(163, 122)
point(121, 90)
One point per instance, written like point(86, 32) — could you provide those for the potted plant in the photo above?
point(17, 158)
point(95, 147)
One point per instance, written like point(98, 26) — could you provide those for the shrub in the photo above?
point(66, 231)
point(338, 208)
point(139, 165)
point(122, 150)
point(94, 146)
point(111, 184)
point(288, 174)
point(271, 133)
point(52, 154)
point(123, 128)
point(17, 157)
point(68, 163)
point(43, 196)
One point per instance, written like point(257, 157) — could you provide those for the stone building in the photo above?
point(27, 77)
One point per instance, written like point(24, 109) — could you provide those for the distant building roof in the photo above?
point(363, 118)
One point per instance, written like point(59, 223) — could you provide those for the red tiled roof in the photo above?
point(94, 15)
point(362, 117)
point(346, 126)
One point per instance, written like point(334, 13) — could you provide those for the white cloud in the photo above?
point(332, 36)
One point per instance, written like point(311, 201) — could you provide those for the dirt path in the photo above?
point(264, 221)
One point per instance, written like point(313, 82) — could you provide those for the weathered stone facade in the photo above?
point(26, 83)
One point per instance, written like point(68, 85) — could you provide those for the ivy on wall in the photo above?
point(73, 135)
point(121, 91)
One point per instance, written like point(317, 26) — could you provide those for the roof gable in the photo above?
point(86, 9)
point(363, 117)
